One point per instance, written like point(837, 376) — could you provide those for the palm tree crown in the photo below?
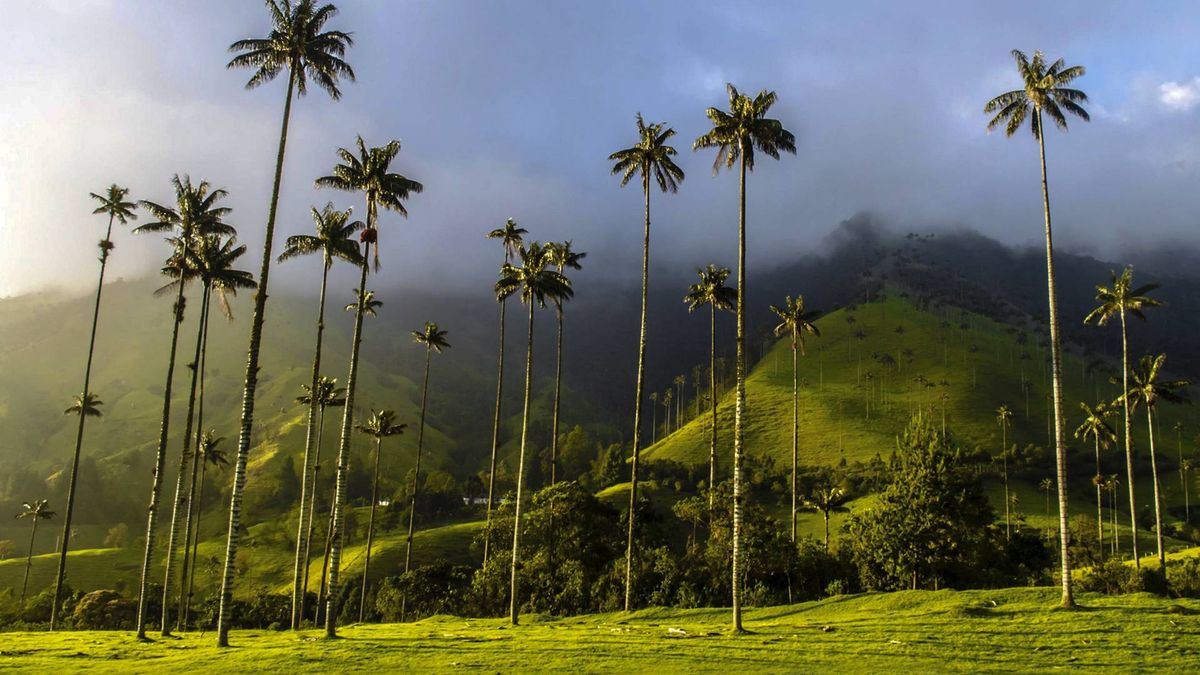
point(1044, 90)
point(432, 338)
point(297, 43)
point(334, 238)
point(510, 236)
point(651, 156)
point(532, 280)
point(1095, 424)
point(744, 129)
point(1147, 387)
point(711, 290)
point(1121, 297)
point(113, 204)
point(381, 425)
point(88, 404)
point(795, 320)
point(36, 510)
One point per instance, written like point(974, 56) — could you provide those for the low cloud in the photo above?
point(1181, 97)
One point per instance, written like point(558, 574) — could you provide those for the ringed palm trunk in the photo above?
point(28, 561)
point(495, 433)
point(1068, 599)
point(1158, 533)
point(1004, 458)
point(305, 518)
point(159, 464)
point(739, 443)
point(362, 602)
point(1133, 524)
point(180, 504)
point(251, 384)
point(637, 398)
point(795, 436)
point(187, 569)
point(343, 460)
point(325, 565)
point(712, 392)
point(514, 603)
point(312, 504)
point(87, 379)
point(557, 399)
point(1099, 507)
point(412, 508)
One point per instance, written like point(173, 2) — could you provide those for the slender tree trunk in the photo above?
point(416, 486)
point(251, 383)
point(305, 518)
point(1004, 457)
point(1068, 599)
point(180, 504)
point(28, 561)
point(322, 594)
point(87, 379)
point(1133, 523)
point(826, 514)
point(312, 504)
point(343, 460)
point(159, 464)
point(1099, 507)
point(495, 433)
point(795, 436)
point(186, 571)
point(557, 398)
point(362, 602)
point(637, 398)
point(514, 601)
point(1158, 526)
point(712, 392)
point(739, 442)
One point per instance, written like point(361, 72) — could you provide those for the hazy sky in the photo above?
point(509, 109)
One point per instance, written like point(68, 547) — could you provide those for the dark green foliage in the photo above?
point(930, 528)
point(105, 610)
point(424, 591)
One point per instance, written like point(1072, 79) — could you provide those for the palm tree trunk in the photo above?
point(362, 602)
point(159, 464)
point(1133, 524)
point(188, 564)
point(416, 487)
point(637, 398)
point(712, 392)
point(514, 603)
point(1060, 445)
point(1004, 458)
point(826, 514)
point(251, 383)
point(1158, 526)
point(321, 595)
point(180, 503)
point(495, 434)
point(1099, 507)
point(557, 399)
point(739, 442)
point(87, 379)
point(312, 504)
point(343, 460)
point(305, 519)
point(795, 436)
point(29, 560)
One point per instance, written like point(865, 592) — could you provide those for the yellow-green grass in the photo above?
point(1010, 630)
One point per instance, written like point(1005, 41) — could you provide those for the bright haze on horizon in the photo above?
point(510, 109)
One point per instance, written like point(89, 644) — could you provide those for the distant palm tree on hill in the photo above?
point(712, 291)
point(1004, 419)
point(433, 339)
point(379, 425)
point(35, 511)
point(562, 256)
point(794, 321)
point(1095, 424)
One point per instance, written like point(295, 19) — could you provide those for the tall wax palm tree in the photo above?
point(667, 398)
point(433, 340)
point(653, 417)
point(737, 134)
point(794, 321)
point(712, 291)
point(335, 399)
point(1148, 389)
point(35, 511)
point(1047, 486)
point(562, 256)
point(649, 157)
point(208, 453)
point(367, 172)
point(1095, 424)
point(112, 204)
point(1004, 419)
point(334, 239)
point(1118, 300)
point(299, 46)
point(1045, 90)
point(510, 237)
point(211, 260)
point(327, 395)
point(1185, 470)
point(827, 499)
point(1112, 483)
point(680, 381)
point(194, 216)
point(379, 426)
point(534, 281)
point(1178, 429)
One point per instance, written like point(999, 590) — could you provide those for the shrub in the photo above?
point(105, 610)
point(1184, 578)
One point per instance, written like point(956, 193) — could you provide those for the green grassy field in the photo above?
point(1012, 630)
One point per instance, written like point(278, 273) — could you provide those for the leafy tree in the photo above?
point(737, 134)
point(1045, 91)
point(1095, 424)
point(535, 282)
point(510, 237)
point(35, 511)
point(369, 173)
point(649, 157)
point(333, 240)
point(379, 426)
point(1118, 300)
point(562, 256)
point(194, 216)
point(929, 527)
point(112, 204)
point(298, 45)
point(712, 291)
point(433, 340)
point(794, 321)
point(1004, 419)
point(1148, 389)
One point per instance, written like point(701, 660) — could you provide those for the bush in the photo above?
point(105, 610)
point(424, 591)
point(1184, 578)
point(1112, 577)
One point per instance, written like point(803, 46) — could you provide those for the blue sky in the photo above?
point(509, 109)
